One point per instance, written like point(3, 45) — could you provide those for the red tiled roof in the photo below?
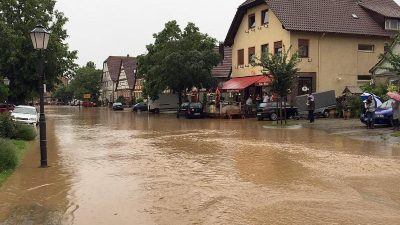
point(114, 65)
point(385, 8)
point(330, 16)
point(224, 69)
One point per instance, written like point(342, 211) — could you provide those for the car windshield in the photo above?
point(387, 104)
point(196, 105)
point(24, 110)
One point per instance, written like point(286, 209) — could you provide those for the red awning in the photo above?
point(240, 83)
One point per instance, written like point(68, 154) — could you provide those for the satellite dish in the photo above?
point(305, 88)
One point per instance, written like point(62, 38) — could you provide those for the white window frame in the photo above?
point(388, 24)
point(373, 48)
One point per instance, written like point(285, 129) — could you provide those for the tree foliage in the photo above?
point(3, 91)
point(86, 81)
point(392, 58)
point(281, 69)
point(64, 93)
point(178, 60)
point(18, 59)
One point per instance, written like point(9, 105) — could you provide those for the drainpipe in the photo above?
point(319, 60)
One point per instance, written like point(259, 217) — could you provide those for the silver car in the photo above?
point(25, 114)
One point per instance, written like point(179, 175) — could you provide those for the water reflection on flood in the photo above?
point(124, 168)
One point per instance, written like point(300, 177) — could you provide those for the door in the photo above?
point(304, 85)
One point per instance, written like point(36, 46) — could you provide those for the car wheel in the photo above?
point(273, 116)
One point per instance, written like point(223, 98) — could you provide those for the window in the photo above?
point(392, 24)
point(264, 17)
point(252, 54)
point(241, 57)
point(303, 48)
point(278, 47)
point(264, 49)
point(365, 48)
point(252, 21)
point(364, 78)
point(386, 48)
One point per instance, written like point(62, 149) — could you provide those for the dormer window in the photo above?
point(264, 17)
point(392, 24)
point(252, 21)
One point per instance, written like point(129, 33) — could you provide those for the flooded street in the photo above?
point(125, 168)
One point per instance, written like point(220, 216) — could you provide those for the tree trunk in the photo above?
point(280, 110)
point(285, 100)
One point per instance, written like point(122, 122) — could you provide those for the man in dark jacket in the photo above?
point(310, 107)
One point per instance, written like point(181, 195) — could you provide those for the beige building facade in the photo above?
point(328, 60)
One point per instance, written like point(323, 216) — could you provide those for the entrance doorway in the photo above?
point(305, 84)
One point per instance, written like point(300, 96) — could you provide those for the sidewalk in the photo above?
point(353, 128)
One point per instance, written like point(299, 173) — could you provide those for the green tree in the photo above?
point(86, 81)
point(392, 58)
point(18, 59)
point(64, 94)
point(281, 69)
point(178, 60)
point(3, 91)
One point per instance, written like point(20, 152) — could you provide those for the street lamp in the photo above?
point(6, 81)
point(40, 38)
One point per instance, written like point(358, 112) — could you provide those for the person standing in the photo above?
point(370, 108)
point(249, 105)
point(310, 107)
point(396, 114)
point(266, 98)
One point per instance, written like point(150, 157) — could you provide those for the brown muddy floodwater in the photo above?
point(124, 168)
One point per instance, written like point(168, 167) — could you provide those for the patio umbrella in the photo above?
point(377, 100)
point(394, 95)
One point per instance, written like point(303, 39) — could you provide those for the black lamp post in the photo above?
point(40, 38)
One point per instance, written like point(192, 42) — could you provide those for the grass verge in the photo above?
point(21, 147)
point(396, 134)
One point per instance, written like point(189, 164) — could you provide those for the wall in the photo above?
point(261, 35)
point(341, 62)
point(333, 57)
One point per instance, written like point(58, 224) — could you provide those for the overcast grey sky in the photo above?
point(98, 29)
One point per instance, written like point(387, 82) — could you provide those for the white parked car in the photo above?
point(25, 114)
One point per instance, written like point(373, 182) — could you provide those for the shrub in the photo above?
point(355, 105)
point(378, 89)
point(121, 99)
point(24, 132)
point(7, 126)
point(8, 155)
point(139, 100)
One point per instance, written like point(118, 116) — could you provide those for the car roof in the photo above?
point(25, 106)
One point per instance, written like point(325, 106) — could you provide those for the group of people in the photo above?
point(370, 108)
point(266, 98)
